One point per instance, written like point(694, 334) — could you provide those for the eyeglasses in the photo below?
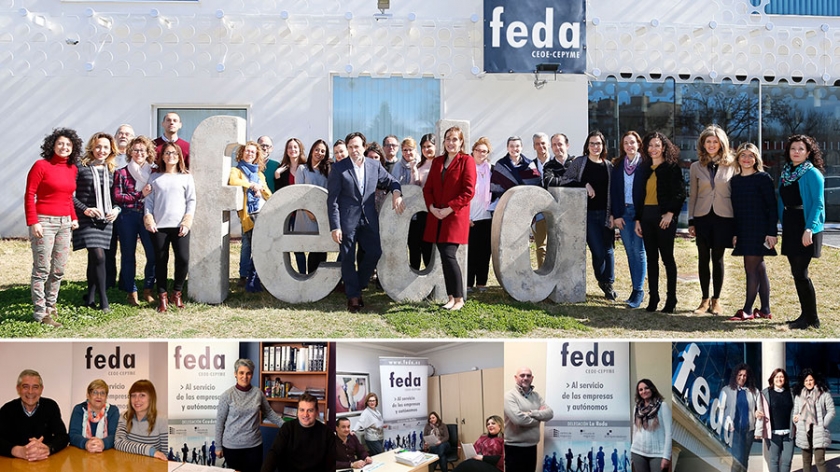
point(170, 153)
point(139, 151)
point(99, 393)
point(266, 146)
point(392, 145)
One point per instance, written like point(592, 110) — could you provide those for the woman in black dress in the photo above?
point(96, 212)
point(803, 215)
point(756, 214)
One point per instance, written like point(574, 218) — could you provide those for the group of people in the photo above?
point(780, 416)
point(112, 189)
point(31, 427)
point(351, 453)
point(732, 204)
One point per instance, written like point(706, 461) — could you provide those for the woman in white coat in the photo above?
point(813, 410)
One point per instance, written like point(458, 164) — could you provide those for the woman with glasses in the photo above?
point(131, 187)
point(170, 208)
point(248, 175)
point(372, 425)
point(478, 255)
point(593, 171)
point(93, 423)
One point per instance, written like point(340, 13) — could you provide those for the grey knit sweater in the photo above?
point(238, 418)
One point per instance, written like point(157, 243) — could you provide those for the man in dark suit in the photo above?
point(353, 219)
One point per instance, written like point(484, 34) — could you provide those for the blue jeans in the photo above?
point(634, 246)
point(741, 445)
point(129, 226)
point(245, 255)
point(601, 240)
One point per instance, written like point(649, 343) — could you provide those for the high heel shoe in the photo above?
point(176, 299)
point(653, 302)
point(670, 305)
point(163, 303)
point(703, 308)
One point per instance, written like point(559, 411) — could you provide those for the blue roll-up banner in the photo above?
point(521, 34)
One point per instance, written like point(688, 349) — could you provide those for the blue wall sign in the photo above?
point(520, 34)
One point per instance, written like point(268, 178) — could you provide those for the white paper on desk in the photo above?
point(188, 467)
point(372, 466)
point(412, 458)
point(469, 450)
point(431, 439)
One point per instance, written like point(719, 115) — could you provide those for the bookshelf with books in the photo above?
point(289, 369)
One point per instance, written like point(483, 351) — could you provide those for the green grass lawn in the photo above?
point(492, 314)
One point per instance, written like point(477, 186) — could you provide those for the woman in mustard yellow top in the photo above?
point(659, 200)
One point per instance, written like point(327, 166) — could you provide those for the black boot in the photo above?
point(670, 303)
point(653, 301)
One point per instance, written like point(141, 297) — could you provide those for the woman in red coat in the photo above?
point(448, 192)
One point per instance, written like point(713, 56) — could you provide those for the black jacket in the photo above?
point(670, 188)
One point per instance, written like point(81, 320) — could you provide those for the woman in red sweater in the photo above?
point(48, 203)
point(448, 192)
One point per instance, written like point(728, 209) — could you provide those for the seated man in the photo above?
point(302, 445)
point(30, 426)
point(349, 452)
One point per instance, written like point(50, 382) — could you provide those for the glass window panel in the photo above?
point(379, 107)
point(192, 117)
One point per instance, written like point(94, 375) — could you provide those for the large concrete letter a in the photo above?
point(211, 146)
point(562, 277)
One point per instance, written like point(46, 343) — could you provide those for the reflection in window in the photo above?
point(379, 107)
point(192, 117)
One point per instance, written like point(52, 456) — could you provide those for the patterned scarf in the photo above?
point(92, 416)
point(809, 406)
point(646, 416)
point(252, 171)
point(791, 173)
point(482, 183)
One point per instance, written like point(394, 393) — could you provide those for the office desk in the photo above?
point(389, 464)
point(73, 459)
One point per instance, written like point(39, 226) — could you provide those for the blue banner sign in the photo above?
point(520, 35)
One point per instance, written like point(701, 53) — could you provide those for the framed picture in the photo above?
point(350, 391)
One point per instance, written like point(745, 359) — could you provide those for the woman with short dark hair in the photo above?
point(51, 216)
point(97, 212)
point(314, 172)
point(238, 437)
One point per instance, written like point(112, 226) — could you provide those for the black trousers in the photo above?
point(452, 275)
point(244, 460)
point(417, 248)
point(659, 243)
point(478, 255)
point(520, 458)
point(162, 240)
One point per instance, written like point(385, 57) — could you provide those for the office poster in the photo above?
point(590, 392)
point(404, 386)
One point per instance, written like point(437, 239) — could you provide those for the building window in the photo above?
point(379, 107)
point(192, 117)
point(799, 7)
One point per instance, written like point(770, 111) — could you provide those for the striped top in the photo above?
point(139, 440)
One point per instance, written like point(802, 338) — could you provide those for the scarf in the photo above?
point(791, 173)
point(647, 416)
point(402, 172)
point(95, 417)
point(253, 173)
point(630, 165)
point(809, 406)
point(101, 186)
point(140, 172)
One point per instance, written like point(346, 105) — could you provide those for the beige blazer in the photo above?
point(702, 197)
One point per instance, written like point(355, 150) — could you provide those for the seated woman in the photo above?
point(437, 427)
point(93, 424)
point(141, 430)
point(490, 449)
